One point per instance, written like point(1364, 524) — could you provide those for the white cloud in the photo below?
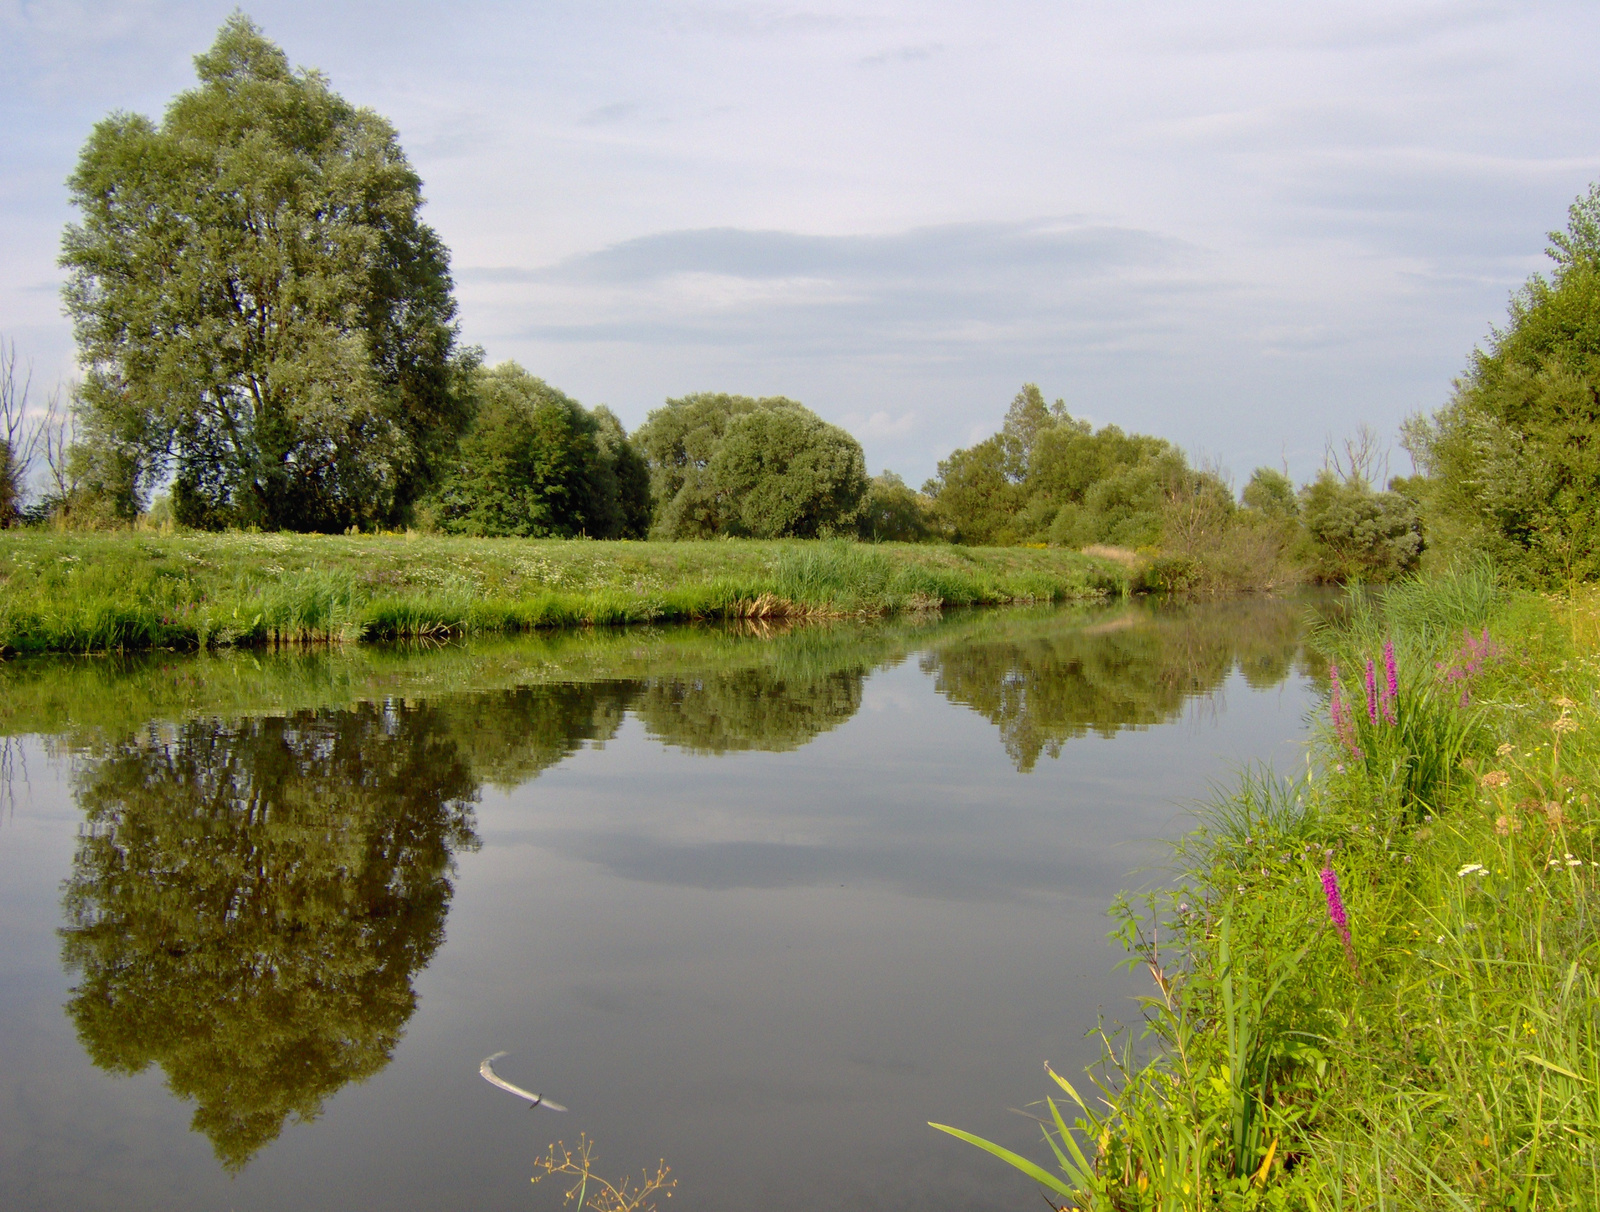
point(880, 424)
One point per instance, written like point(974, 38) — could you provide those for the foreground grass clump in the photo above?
point(99, 592)
point(1377, 985)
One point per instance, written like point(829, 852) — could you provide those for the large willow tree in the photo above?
point(260, 311)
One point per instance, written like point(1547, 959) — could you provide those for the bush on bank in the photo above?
point(1377, 984)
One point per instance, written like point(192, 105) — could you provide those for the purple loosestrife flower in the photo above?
point(1337, 915)
point(1344, 724)
point(1390, 674)
point(1372, 693)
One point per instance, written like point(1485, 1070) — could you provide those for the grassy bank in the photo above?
point(70, 592)
point(1377, 985)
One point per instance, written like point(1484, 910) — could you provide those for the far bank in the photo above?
point(130, 590)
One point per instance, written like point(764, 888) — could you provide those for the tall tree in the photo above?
point(1514, 458)
point(723, 464)
point(788, 473)
point(529, 464)
point(259, 308)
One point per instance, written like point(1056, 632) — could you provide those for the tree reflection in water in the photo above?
point(726, 712)
point(250, 900)
point(1044, 685)
point(253, 895)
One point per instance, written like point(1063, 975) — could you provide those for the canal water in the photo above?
point(756, 901)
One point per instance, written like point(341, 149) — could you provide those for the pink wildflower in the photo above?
point(1336, 913)
point(1372, 693)
point(1390, 690)
point(1344, 724)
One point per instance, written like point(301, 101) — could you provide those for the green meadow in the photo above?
point(130, 590)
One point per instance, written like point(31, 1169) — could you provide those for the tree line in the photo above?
point(269, 338)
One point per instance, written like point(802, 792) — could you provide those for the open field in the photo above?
point(87, 592)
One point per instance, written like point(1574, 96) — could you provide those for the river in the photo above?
point(756, 901)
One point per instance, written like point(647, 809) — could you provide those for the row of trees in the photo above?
point(268, 333)
point(1048, 477)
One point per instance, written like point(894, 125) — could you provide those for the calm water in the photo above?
point(759, 904)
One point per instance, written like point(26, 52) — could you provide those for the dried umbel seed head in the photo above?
point(1553, 813)
point(1504, 825)
point(1495, 778)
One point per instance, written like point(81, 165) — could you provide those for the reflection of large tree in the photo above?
point(250, 899)
point(748, 708)
point(1044, 685)
point(509, 737)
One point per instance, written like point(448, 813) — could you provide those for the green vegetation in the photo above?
point(1511, 462)
point(770, 468)
point(533, 462)
point(1048, 478)
point(260, 312)
point(1377, 985)
point(85, 592)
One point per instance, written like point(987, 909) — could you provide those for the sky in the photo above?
point(1249, 228)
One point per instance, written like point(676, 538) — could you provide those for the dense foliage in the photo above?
point(261, 312)
point(892, 512)
point(1512, 460)
point(768, 468)
point(1356, 534)
point(1048, 477)
point(534, 462)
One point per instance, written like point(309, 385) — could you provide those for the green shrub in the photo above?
point(1354, 533)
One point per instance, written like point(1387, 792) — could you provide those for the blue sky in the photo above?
point(1247, 228)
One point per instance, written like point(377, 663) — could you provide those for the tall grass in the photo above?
point(128, 591)
point(1378, 985)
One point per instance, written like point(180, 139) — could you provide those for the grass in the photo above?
point(126, 591)
point(1377, 984)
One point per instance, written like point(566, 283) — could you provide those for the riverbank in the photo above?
point(127, 591)
point(1378, 984)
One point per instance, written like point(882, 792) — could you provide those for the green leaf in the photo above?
point(1038, 1173)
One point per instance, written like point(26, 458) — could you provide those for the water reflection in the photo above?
point(748, 709)
point(250, 900)
point(258, 883)
point(1043, 685)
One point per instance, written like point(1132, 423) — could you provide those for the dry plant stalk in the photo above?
point(607, 1197)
